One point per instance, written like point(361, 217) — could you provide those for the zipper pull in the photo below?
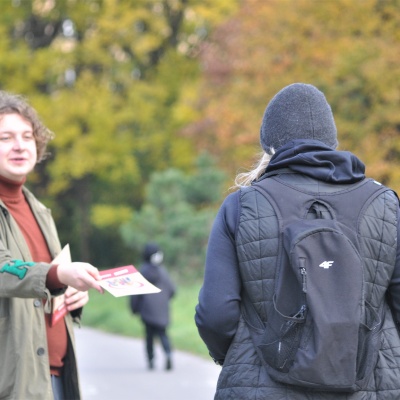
point(303, 273)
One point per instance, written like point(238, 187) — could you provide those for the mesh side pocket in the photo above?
point(282, 339)
point(368, 336)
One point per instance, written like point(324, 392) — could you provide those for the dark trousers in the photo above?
point(151, 333)
point(57, 385)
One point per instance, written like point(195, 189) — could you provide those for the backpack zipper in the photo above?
point(303, 273)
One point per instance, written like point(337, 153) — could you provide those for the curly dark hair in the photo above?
point(17, 104)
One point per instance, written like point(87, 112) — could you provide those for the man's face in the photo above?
point(17, 147)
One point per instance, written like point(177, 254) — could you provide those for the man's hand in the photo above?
point(75, 299)
point(81, 276)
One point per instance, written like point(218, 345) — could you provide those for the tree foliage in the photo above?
point(113, 79)
point(134, 90)
point(177, 214)
point(347, 48)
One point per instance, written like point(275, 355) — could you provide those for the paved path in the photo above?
point(113, 367)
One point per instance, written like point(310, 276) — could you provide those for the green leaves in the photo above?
point(178, 213)
point(114, 81)
point(345, 48)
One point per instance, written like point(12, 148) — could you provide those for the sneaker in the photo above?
point(168, 365)
point(151, 364)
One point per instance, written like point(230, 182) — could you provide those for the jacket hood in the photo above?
point(317, 160)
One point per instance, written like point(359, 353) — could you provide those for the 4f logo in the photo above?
point(326, 264)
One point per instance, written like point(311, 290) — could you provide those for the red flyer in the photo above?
point(126, 281)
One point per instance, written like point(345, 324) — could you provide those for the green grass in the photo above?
point(112, 314)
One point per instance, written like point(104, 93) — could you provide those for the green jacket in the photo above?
point(24, 365)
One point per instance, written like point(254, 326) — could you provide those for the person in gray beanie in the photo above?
point(298, 137)
point(299, 111)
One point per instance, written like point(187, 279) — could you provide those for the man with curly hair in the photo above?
point(37, 356)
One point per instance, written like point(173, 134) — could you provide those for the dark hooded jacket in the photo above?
point(154, 307)
point(314, 167)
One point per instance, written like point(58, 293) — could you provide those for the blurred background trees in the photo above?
point(156, 105)
point(114, 80)
point(347, 48)
point(177, 213)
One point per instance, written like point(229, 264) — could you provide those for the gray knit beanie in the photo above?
point(298, 111)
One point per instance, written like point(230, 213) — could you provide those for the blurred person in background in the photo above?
point(38, 359)
point(154, 308)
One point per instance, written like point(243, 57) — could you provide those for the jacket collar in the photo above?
point(317, 160)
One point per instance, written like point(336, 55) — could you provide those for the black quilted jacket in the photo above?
point(234, 263)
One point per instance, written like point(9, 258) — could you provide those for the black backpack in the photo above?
point(321, 331)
